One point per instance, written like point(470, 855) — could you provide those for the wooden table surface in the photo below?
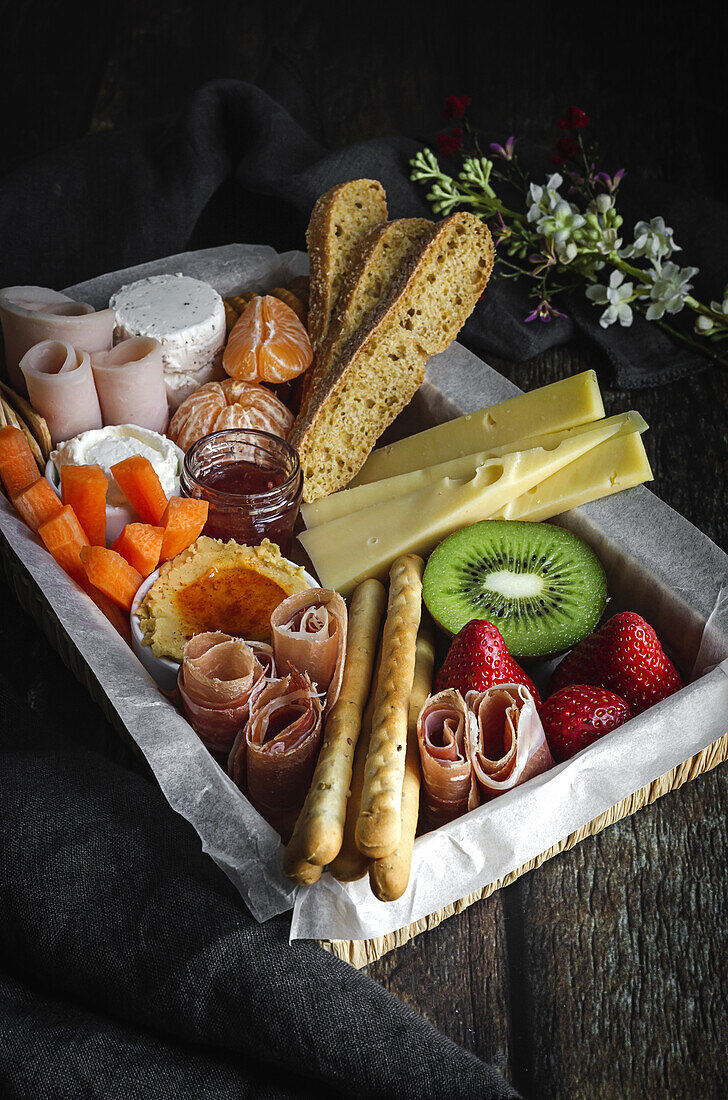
point(604, 973)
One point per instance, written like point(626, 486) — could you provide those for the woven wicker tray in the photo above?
point(654, 594)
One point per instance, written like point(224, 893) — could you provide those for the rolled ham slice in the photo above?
point(309, 634)
point(61, 388)
point(218, 679)
point(442, 733)
point(281, 745)
point(130, 383)
point(31, 314)
point(506, 741)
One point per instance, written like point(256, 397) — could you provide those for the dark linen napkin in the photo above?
point(131, 968)
point(234, 165)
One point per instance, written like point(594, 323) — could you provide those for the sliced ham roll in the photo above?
point(61, 388)
point(130, 383)
point(30, 314)
point(281, 745)
point(218, 679)
point(506, 741)
point(309, 633)
point(442, 733)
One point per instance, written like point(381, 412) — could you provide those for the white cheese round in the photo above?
point(106, 446)
point(186, 315)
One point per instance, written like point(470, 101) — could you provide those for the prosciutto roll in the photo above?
point(218, 680)
point(61, 388)
point(309, 634)
point(506, 742)
point(442, 733)
point(281, 745)
point(30, 314)
point(130, 383)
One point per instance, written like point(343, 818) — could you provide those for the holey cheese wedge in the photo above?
point(565, 404)
point(350, 549)
point(376, 492)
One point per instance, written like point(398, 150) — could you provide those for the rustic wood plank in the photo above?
point(625, 944)
point(450, 973)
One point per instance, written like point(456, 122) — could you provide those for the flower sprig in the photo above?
point(568, 230)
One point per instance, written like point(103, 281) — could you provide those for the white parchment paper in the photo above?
point(657, 563)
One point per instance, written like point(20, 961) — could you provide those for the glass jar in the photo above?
point(252, 481)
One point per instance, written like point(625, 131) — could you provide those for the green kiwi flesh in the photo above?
point(541, 585)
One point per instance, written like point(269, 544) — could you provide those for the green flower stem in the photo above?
point(702, 349)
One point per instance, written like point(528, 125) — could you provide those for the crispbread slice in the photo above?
point(384, 365)
point(339, 220)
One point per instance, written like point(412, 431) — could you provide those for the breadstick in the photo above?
point(297, 867)
point(350, 864)
point(388, 877)
point(320, 826)
point(379, 826)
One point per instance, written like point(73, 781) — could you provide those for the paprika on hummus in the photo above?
point(216, 585)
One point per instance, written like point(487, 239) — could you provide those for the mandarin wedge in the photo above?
point(268, 343)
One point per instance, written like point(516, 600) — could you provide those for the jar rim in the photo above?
point(262, 437)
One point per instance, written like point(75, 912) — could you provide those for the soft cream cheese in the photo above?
point(105, 446)
point(186, 315)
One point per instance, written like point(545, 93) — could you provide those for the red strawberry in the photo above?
point(626, 657)
point(577, 716)
point(478, 659)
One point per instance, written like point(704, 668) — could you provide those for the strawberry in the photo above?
point(478, 659)
point(626, 657)
point(576, 716)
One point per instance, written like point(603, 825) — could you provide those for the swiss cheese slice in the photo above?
point(348, 501)
point(619, 463)
point(565, 404)
point(352, 548)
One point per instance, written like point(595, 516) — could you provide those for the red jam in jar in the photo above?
point(252, 481)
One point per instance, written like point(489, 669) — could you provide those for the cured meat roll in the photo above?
point(442, 733)
point(30, 314)
point(130, 383)
point(61, 388)
point(309, 633)
point(507, 744)
point(219, 677)
point(281, 745)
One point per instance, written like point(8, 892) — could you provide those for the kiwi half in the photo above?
point(539, 584)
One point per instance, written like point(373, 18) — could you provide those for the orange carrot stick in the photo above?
point(111, 574)
point(65, 538)
point(38, 503)
point(18, 468)
point(138, 481)
point(84, 488)
point(140, 544)
point(183, 520)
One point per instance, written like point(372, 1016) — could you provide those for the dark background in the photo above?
point(603, 973)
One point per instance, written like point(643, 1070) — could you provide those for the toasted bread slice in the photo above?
point(382, 367)
point(376, 263)
point(339, 220)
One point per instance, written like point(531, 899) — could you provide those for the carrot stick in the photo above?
point(37, 504)
point(111, 574)
point(140, 544)
point(138, 481)
point(65, 538)
point(85, 488)
point(183, 520)
point(18, 468)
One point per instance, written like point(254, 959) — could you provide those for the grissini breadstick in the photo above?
point(320, 826)
point(389, 876)
point(297, 867)
point(379, 826)
point(350, 864)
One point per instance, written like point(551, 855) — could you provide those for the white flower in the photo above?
point(669, 290)
point(616, 297)
point(653, 240)
point(544, 199)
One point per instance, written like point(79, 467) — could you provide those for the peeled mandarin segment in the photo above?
point(228, 404)
point(268, 343)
